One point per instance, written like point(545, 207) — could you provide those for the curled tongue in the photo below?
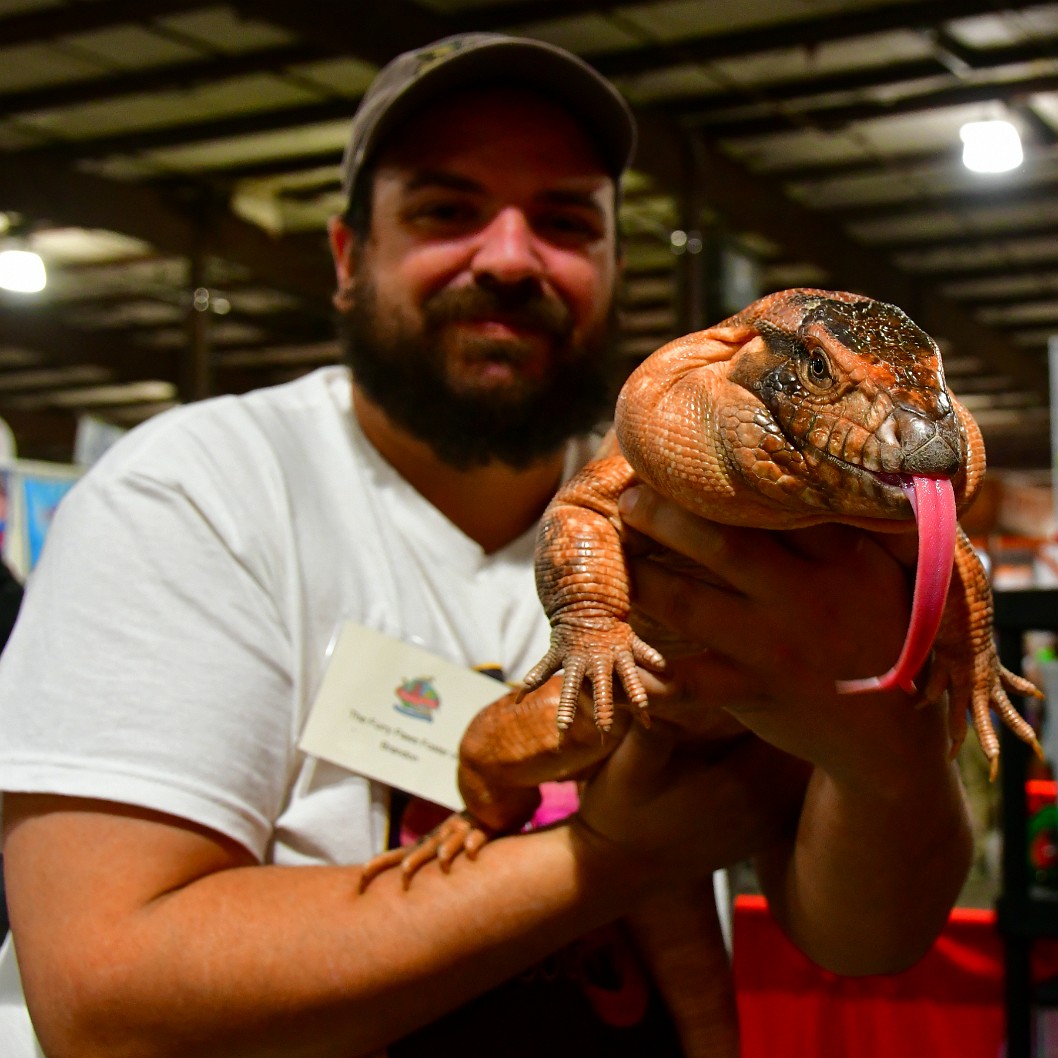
point(933, 501)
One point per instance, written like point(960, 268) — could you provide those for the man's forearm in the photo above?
point(292, 961)
point(873, 873)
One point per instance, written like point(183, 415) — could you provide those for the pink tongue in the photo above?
point(933, 501)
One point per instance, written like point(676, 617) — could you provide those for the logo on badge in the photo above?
point(417, 698)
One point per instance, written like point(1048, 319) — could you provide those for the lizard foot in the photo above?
point(977, 692)
point(993, 695)
point(595, 654)
point(458, 834)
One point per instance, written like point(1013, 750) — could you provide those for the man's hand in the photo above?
point(883, 841)
point(797, 612)
point(679, 809)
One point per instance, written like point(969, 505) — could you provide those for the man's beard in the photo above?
point(404, 373)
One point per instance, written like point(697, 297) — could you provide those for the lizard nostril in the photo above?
point(928, 446)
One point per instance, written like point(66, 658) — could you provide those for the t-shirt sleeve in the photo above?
point(151, 664)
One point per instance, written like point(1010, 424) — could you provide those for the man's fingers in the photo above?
point(696, 693)
point(711, 616)
point(748, 560)
point(643, 755)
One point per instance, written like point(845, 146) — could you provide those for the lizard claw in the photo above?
point(459, 833)
point(379, 865)
point(991, 693)
point(542, 671)
point(596, 654)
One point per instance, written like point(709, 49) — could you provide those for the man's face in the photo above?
point(480, 313)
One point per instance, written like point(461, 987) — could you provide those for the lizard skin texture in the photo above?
point(807, 407)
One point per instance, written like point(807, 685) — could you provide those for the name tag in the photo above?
point(395, 713)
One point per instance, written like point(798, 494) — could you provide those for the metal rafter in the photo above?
point(171, 224)
point(32, 27)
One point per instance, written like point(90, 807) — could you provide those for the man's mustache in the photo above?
point(517, 306)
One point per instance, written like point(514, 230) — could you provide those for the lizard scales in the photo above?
point(808, 406)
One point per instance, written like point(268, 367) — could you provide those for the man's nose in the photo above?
point(508, 251)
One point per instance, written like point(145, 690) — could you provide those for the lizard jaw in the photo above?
point(888, 498)
point(933, 501)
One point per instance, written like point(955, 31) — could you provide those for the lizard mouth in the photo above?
point(884, 491)
point(893, 486)
point(884, 494)
point(931, 501)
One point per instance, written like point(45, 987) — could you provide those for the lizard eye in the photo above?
point(816, 368)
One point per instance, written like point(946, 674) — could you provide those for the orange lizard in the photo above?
point(808, 406)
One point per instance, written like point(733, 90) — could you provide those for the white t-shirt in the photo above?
point(175, 631)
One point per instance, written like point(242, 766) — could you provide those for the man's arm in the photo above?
point(883, 841)
point(874, 871)
point(138, 934)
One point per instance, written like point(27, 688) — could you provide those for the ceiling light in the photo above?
point(991, 146)
point(22, 271)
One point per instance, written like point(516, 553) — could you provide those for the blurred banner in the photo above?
point(30, 493)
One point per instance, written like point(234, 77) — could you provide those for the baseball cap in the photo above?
point(416, 77)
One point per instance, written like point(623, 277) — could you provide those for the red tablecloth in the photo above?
point(949, 1004)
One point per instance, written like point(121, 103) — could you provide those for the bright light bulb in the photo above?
point(991, 146)
point(22, 271)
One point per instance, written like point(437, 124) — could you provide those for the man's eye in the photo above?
point(443, 213)
point(570, 227)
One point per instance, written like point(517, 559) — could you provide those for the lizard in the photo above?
point(807, 406)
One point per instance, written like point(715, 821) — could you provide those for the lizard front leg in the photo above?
point(582, 580)
point(979, 684)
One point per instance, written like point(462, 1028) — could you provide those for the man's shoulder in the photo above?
point(238, 431)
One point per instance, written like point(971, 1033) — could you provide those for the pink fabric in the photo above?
point(558, 800)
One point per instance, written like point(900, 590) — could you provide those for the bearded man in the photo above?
point(182, 877)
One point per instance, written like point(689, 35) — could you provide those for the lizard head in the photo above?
point(812, 406)
point(851, 398)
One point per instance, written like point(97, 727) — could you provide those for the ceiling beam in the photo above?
point(66, 197)
point(834, 116)
point(33, 27)
point(178, 76)
point(127, 360)
point(790, 91)
point(344, 29)
point(823, 169)
point(1040, 265)
point(1014, 191)
point(37, 329)
point(808, 32)
point(1006, 300)
point(1007, 233)
point(141, 140)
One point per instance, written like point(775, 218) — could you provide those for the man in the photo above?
point(182, 879)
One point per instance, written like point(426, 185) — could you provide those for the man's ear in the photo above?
point(343, 250)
